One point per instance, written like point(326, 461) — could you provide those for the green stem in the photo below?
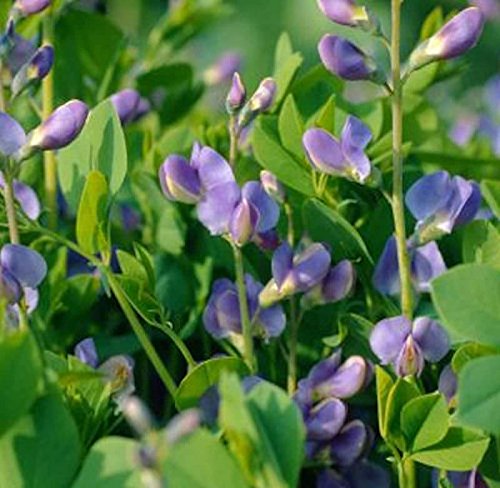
point(290, 232)
point(246, 324)
point(233, 141)
point(10, 208)
point(50, 163)
point(179, 343)
point(407, 476)
point(292, 353)
point(397, 144)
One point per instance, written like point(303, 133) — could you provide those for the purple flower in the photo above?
point(344, 12)
point(222, 316)
point(259, 102)
point(129, 105)
point(463, 130)
point(223, 69)
point(344, 157)
point(117, 371)
point(440, 202)
point(324, 421)
point(489, 8)
point(405, 345)
point(272, 186)
point(12, 136)
point(448, 383)
point(426, 264)
point(180, 180)
point(466, 479)
point(361, 474)
point(182, 425)
point(344, 59)
point(61, 128)
point(36, 69)
point(455, 38)
point(335, 286)
point(25, 196)
point(236, 96)
point(295, 272)
point(30, 7)
point(137, 415)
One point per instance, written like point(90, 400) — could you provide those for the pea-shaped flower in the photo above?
point(61, 128)
point(117, 371)
point(236, 96)
point(222, 316)
point(30, 7)
point(342, 157)
point(344, 59)
point(344, 12)
point(455, 38)
point(36, 69)
point(295, 272)
point(406, 346)
point(261, 100)
point(426, 264)
point(440, 202)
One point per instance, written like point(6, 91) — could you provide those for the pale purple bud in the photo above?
point(243, 222)
point(272, 186)
point(455, 38)
point(346, 60)
point(410, 360)
point(61, 128)
point(126, 103)
point(36, 69)
point(344, 12)
point(179, 180)
point(236, 96)
point(30, 7)
point(263, 97)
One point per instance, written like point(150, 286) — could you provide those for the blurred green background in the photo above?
point(253, 26)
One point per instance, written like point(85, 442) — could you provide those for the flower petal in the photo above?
point(179, 181)
point(326, 419)
point(282, 263)
point(213, 169)
point(388, 337)
point(12, 135)
point(310, 266)
point(432, 338)
point(324, 151)
point(269, 211)
point(25, 265)
point(386, 276)
point(426, 264)
point(346, 381)
point(350, 443)
point(339, 282)
point(86, 352)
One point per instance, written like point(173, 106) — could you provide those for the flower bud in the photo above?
point(10, 290)
point(260, 101)
point(236, 96)
point(344, 12)
point(326, 419)
point(179, 180)
point(346, 60)
point(455, 38)
point(126, 103)
point(36, 69)
point(30, 7)
point(410, 360)
point(272, 186)
point(61, 128)
point(243, 222)
point(137, 415)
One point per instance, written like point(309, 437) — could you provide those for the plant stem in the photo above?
point(49, 157)
point(397, 143)
point(290, 230)
point(179, 343)
point(292, 353)
point(10, 208)
point(233, 141)
point(246, 324)
point(406, 473)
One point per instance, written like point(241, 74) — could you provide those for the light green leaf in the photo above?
point(466, 299)
point(384, 386)
point(470, 351)
point(460, 450)
point(325, 118)
point(479, 394)
point(490, 190)
point(110, 464)
point(92, 218)
point(291, 127)
point(424, 421)
point(481, 244)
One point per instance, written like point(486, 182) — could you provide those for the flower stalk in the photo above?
point(10, 209)
point(49, 157)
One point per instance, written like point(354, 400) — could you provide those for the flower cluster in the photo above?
point(320, 398)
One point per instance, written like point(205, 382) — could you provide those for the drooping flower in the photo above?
point(344, 157)
point(36, 69)
point(335, 286)
point(342, 58)
point(25, 196)
point(61, 128)
point(223, 69)
point(344, 12)
point(236, 96)
point(117, 371)
point(426, 264)
point(455, 38)
point(406, 346)
point(222, 316)
point(440, 202)
point(295, 272)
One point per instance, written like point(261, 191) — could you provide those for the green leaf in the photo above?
point(92, 218)
point(20, 376)
point(325, 118)
point(200, 461)
point(490, 190)
point(481, 244)
point(100, 147)
point(384, 386)
point(424, 421)
point(286, 65)
point(291, 127)
point(460, 450)
point(110, 464)
point(470, 351)
point(466, 299)
point(42, 450)
point(479, 394)
point(132, 267)
point(401, 393)
point(271, 155)
point(325, 224)
point(203, 376)
point(432, 23)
